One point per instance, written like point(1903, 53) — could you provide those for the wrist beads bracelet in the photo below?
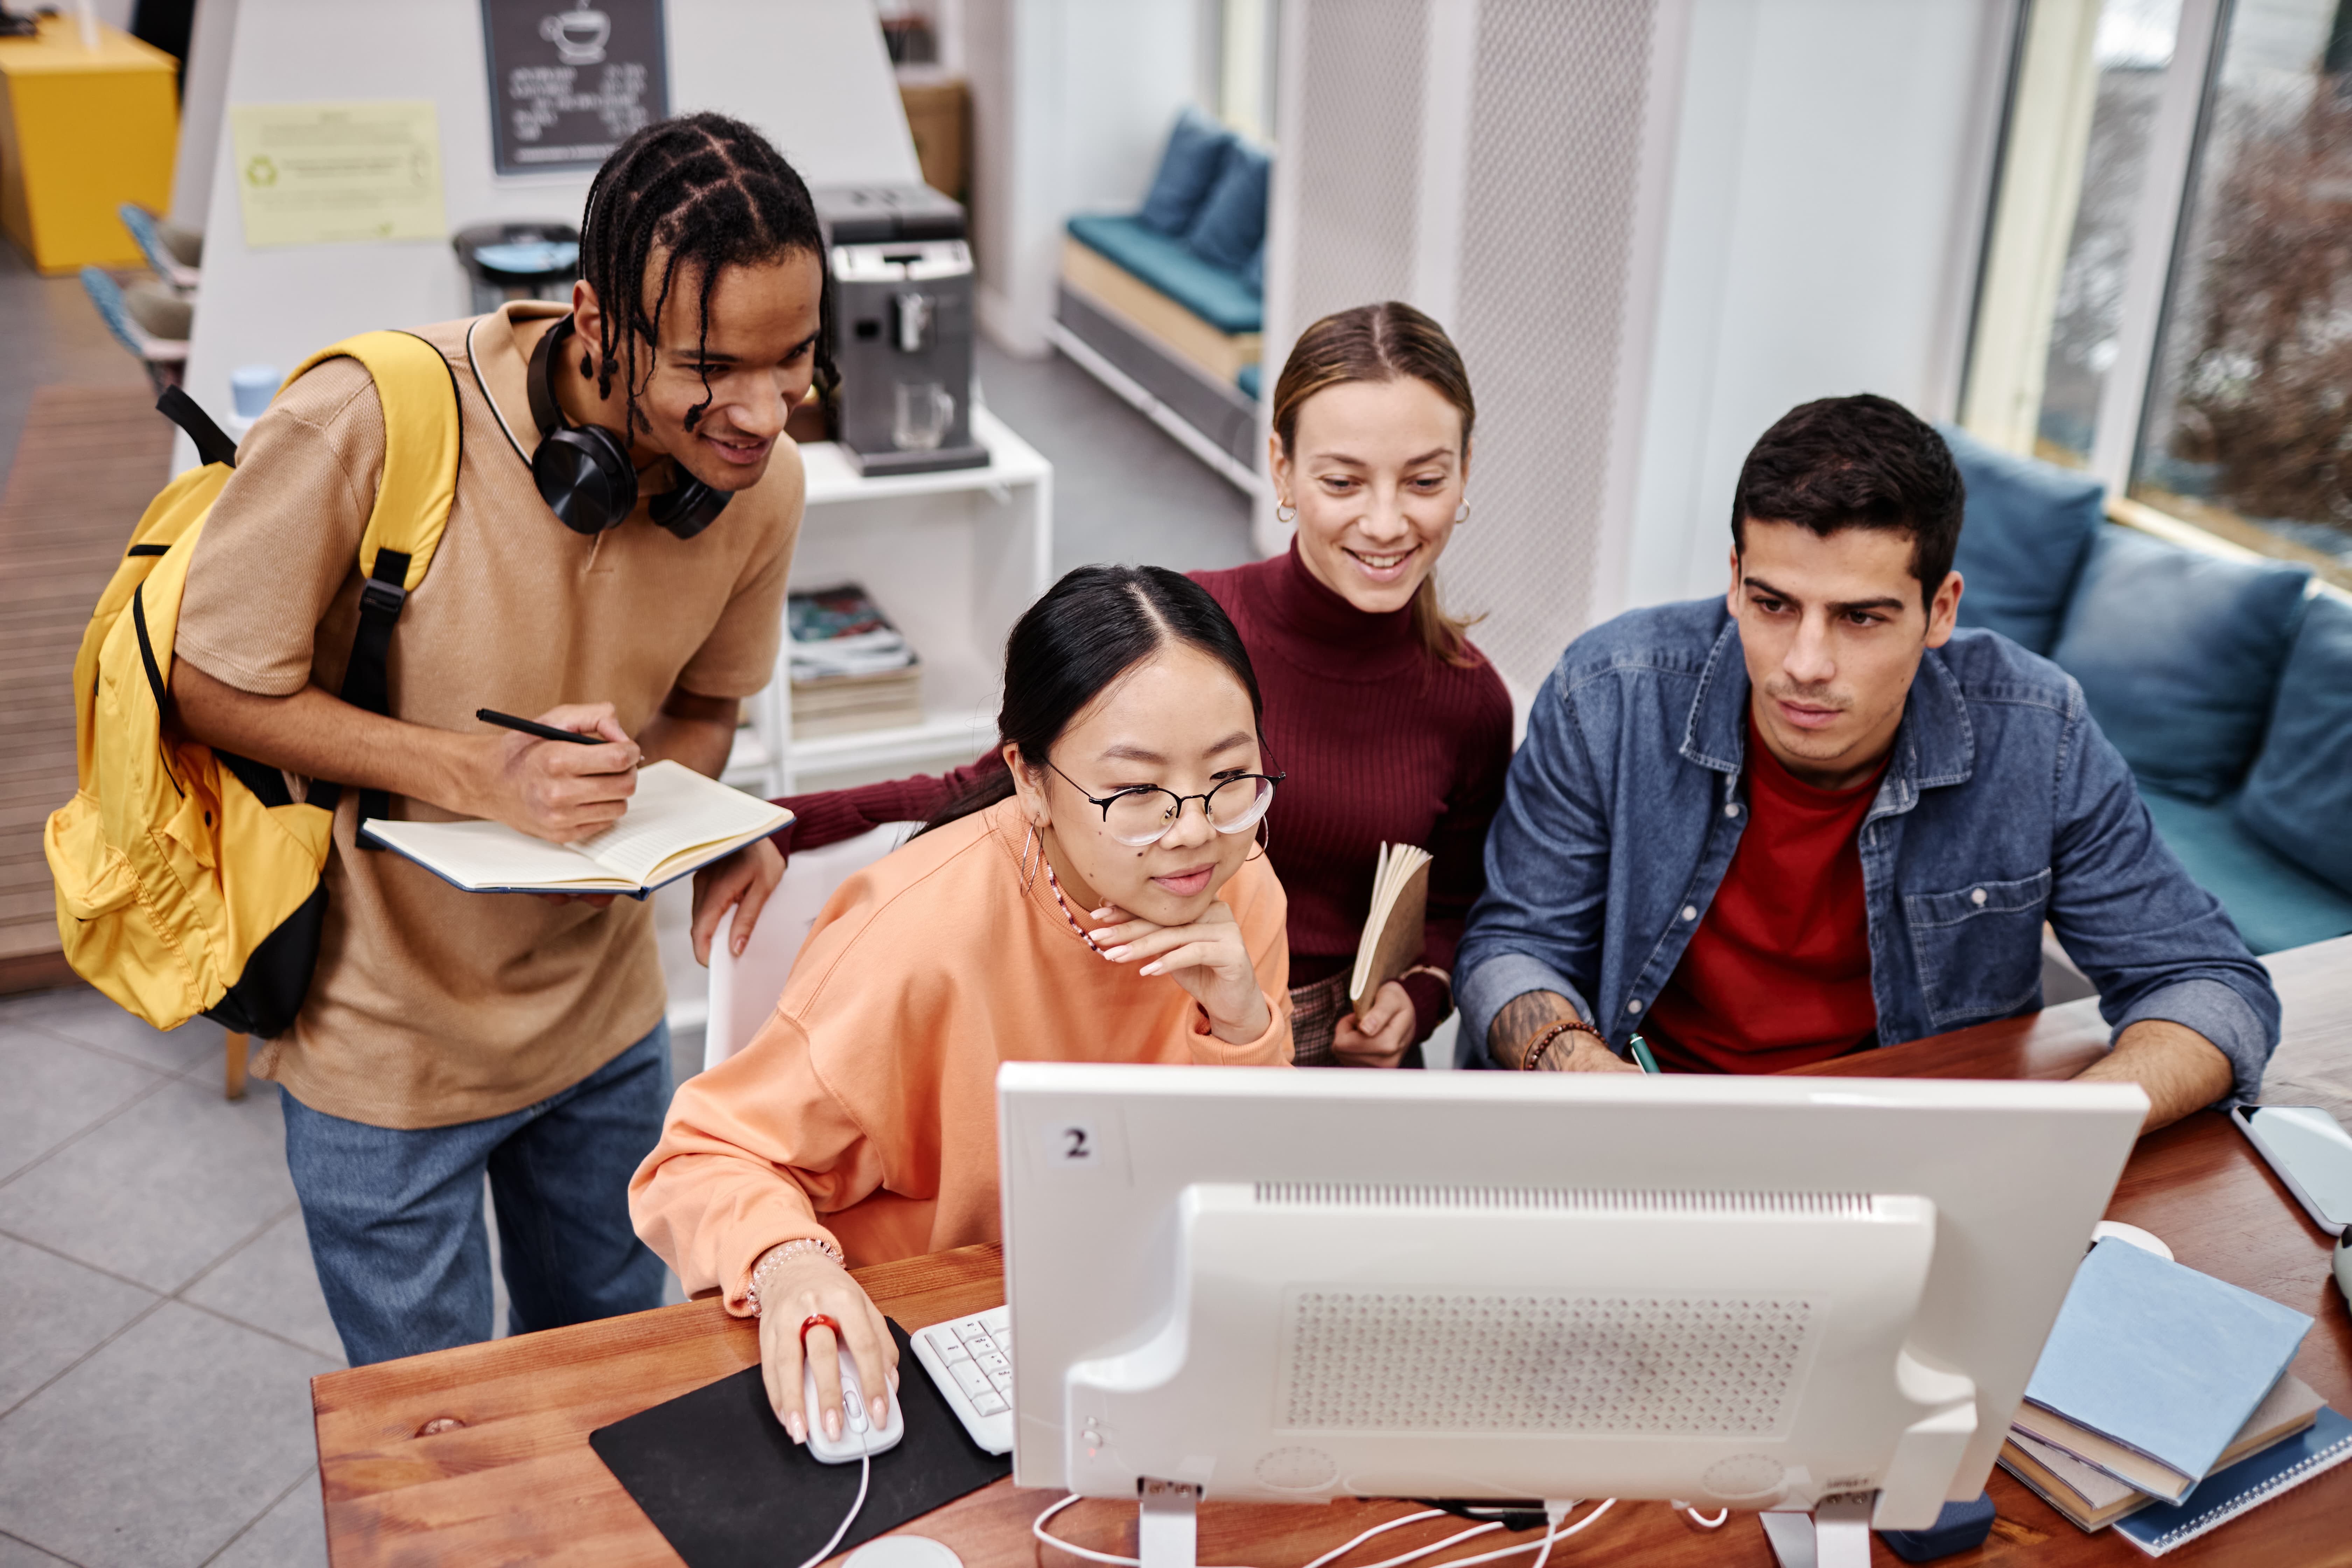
point(1532, 1058)
point(781, 1252)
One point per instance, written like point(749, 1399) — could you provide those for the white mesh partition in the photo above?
point(1356, 133)
point(1558, 116)
point(1498, 163)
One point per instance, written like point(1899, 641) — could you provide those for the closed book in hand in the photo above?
point(2162, 1360)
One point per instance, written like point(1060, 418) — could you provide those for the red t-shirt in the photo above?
point(1778, 974)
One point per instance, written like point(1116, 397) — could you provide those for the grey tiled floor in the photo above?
point(159, 1320)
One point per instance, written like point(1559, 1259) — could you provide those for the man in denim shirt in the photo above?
point(1814, 816)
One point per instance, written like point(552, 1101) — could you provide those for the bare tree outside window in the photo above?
point(2250, 430)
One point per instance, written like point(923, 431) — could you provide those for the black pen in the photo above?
point(533, 727)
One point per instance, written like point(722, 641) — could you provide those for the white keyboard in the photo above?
point(971, 1359)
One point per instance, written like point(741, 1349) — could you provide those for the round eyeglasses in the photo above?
point(1144, 813)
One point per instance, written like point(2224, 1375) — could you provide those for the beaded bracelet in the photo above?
point(1533, 1056)
point(782, 1250)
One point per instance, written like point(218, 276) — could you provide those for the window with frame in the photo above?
point(2166, 293)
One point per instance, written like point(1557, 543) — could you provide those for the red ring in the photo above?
point(812, 1320)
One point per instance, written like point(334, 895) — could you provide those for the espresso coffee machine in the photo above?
point(900, 275)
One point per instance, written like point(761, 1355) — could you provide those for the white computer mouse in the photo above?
point(859, 1436)
point(2131, 1236)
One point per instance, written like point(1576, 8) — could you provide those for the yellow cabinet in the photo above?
point(82, 132)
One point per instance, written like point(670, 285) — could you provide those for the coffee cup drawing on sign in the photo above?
point(579, 35)
point(924, 411)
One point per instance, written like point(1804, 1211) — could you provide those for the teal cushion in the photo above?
point(2299, 799)
point(2178, 653)
point(2273, 904)
point(1196, 152)
point(2028, 527)
point(1249, 382)
point(1231, 224)
point(1214, 294)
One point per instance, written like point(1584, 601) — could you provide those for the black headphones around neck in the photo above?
point(583, 472)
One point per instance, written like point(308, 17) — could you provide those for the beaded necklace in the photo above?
point(1067, 915)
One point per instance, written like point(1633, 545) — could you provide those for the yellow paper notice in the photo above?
point(321, 174)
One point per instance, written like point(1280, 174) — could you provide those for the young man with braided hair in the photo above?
point(1812, 816)
point(450, 1035)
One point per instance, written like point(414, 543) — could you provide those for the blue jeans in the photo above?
point(394, 1216)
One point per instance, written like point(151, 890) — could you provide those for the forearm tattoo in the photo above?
point(1524, 1017)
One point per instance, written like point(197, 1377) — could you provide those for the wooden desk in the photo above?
point(82, 132)
point(516, 1481)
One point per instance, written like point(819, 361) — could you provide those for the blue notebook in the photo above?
point(2225, 1495)
point(2160, 1358)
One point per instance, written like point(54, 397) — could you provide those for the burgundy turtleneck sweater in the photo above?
point(1382, 744)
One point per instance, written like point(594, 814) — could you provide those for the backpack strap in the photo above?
point(422, 447)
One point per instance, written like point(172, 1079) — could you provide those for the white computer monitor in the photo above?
point(1752, 1292)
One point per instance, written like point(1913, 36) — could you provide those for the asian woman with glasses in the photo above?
point(1102, 896)
point(1393, 728)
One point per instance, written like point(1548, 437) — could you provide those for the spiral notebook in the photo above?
point(2250, 1483)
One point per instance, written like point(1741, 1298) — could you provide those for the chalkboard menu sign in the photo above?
point(569, 82)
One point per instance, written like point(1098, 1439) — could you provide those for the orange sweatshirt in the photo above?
point(865, 1112)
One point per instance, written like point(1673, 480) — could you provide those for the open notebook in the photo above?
point(677, 822)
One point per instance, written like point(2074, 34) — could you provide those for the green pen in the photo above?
point(1642, 1054)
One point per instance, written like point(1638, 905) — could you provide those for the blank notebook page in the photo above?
point(674, 810)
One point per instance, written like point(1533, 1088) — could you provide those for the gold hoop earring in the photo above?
point(1285, 514)
point(1265, 842)
point(1028, 872)
point(1462, 512)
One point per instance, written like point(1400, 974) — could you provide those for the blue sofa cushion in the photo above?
point(1196, 152)
point(2273, 904)
point(2178, 653)
point(2299, 799)
point(2028, 528)
point(1214, 294)
point(1231, 224)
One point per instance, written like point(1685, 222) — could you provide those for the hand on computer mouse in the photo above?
point(800, 1286)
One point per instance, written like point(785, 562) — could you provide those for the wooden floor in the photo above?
point(89, 460)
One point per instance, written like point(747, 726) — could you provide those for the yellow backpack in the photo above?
point(188, 881)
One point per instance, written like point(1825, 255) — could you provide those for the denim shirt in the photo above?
point(2001, 807)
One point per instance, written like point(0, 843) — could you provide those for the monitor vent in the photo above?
point(1556, 1200)
point(1663, 1365)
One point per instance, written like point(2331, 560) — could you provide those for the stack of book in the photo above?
point(2162, 1405)
point(852, 669)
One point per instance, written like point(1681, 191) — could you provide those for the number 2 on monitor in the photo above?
point(1073, 1145)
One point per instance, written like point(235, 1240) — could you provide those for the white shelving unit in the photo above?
point(952, 558)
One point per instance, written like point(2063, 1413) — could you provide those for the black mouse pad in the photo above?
point(716, 1473)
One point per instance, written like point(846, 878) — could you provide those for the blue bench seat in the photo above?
point(1218, 297)
point(2274, 904)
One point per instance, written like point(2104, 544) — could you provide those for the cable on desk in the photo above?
point(1338, 1551)
point(865, 1474)
point(1542, 1547)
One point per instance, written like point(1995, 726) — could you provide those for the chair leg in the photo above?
point(235, 1088)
